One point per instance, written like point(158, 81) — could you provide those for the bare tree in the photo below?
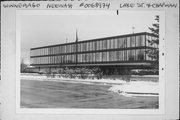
point(23, 66)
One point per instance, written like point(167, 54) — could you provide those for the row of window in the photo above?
point(125, 55)
point(133, 41)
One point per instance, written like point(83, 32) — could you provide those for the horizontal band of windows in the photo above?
point(92, 46)
point(126, 55)
point(100, 39)
point(74, 53)
point(89, 51)
point(97, 63)
point(86, 63)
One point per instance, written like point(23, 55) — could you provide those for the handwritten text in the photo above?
point(22, 5)
point(95, 5)
point(65, 5)
point(148, 5)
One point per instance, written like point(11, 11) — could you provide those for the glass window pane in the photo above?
point(128, 42)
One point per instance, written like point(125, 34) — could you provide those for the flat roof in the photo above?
point(97, 39)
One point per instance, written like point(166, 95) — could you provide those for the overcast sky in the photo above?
point(43, 30)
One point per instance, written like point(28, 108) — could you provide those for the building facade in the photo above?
point(116, 53)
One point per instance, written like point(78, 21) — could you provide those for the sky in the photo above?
point(48, 29)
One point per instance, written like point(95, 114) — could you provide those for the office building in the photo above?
point(111, 54)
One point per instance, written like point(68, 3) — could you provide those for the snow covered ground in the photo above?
point(61, 79)
point(137, 88)
point(133, 88)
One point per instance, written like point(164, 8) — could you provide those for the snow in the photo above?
point(61, 79)
point(133, 88)
point(138, 88)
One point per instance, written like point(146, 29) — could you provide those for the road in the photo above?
point(50, 94)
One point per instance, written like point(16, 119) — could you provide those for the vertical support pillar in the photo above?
point(127, 72)
point(115, 71)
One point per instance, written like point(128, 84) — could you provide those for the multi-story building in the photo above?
point(111, 54)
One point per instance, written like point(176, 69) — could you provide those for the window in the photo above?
point(138, 41)
point(128, 42)
point(124, 42)
point(115, 43)
point(104, 44)
point(100, 45)
point(94, 46)
point(115, 56)
point(107, 56)
point(52, 50)
point(74, 47)
point(97, 45)
point(70, 48)
point(52, 59)
point(111, 56)
point(121, 43)
point(43, 60)
point(84, 47)
point(79, 47)
point(118, 55)
point(131, 55)
point(87, 46)
point(104, 56)
point(108, 44)
point(67, 48)
point(61, 49)
point(93, 57)
point(124, 55)
point(134, 55)
point(133, 41)
point(140, 54)
point(83, 58)
point(112, 43)
point(57, 59)
point(98, 57)
point(90, 46)
point(74, 58)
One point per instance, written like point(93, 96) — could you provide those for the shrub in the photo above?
point(78, 72)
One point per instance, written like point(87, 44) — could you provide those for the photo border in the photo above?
point(162, 79)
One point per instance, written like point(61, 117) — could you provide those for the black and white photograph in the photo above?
point(83, 61)
point(90, 61)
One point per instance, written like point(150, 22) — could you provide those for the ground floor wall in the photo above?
point(106, 70)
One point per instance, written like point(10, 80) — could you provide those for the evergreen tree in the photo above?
point(154, 53)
